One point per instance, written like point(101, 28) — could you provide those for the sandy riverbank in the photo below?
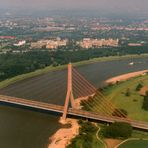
point(64, 135)
point(125, 77)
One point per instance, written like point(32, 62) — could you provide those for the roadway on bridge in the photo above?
point(73, 112)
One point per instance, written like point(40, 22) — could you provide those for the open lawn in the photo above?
point(139, 134)
point(135, 144)
point(133, 103)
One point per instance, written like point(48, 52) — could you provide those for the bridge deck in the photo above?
point(74, 112)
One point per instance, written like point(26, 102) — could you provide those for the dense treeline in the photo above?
point(118, 130)
point(14, 64)
point(145, 102)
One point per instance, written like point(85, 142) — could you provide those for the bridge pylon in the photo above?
point(69, 95)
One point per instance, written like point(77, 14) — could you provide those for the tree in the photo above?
point(118, 130)
point(128, 92)
point(145, 102)
point(120, 113)
point(139, 86)
point(146, 93)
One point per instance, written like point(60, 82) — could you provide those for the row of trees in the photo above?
point(145, 102)
point(14, 64)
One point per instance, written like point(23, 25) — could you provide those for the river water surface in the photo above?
point(20, 128)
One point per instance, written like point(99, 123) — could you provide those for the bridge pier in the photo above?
point(69, 95)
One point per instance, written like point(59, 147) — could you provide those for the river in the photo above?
point(22, 128)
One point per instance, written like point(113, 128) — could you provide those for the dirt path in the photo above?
point(97, 136)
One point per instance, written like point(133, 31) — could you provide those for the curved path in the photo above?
point(97, 133)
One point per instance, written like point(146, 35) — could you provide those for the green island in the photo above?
point(121, 94)
point(117, 95)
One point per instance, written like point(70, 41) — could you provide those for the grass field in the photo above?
point(133, 103)
point(139, 134)
point(135, 144)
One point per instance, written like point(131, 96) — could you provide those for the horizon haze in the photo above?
point(106, 6)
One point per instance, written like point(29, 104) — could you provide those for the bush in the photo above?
point(85, 138)
point(118, 130)
point(139, 86)
point(128, 92)
point(120, 113)
point(87, 127)
point(145, 102)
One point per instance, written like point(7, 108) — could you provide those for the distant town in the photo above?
point(56, 33)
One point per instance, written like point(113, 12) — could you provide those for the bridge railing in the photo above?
point(30, 102)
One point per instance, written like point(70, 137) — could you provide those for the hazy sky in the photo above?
point(106, 5)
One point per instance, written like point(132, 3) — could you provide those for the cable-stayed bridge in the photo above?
point(82, 100)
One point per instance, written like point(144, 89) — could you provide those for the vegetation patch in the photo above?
point(139, 86)
point(145, 102)
point(87, 137)
point(125, 95)
point(118, 130)
point(120, 113)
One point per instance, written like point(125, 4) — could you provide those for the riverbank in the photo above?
point(63, 136)
point(67, 134)
point(117, 95)
point(10, 81)
point(125, 77)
